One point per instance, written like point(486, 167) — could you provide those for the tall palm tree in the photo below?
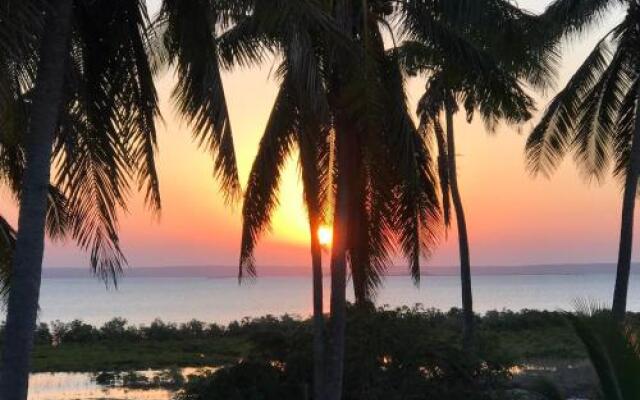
point(284, 131)
point(91, 102)
point(595, 117)
point(201, 37)
point(443, 97)
point(375, 203)
point(475, 69)
point(397, 198)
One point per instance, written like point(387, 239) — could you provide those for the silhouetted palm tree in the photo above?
point(473, 67)
point(201, 38)
point(84, 73)
point(375, 202)
point(383, 167)
point(291, 125)
point(596, 116)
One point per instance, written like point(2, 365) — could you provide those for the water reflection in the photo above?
point(83, 385)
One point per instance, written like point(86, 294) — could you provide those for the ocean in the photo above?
point(140, 300)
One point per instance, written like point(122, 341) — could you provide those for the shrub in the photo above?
point(75, 331)
point(42, 334)
point(243, 381)
point(159, 330)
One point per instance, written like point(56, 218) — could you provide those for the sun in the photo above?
point(325, 235)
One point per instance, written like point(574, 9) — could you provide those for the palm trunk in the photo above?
point(312, 188)
point(27, 264)
point(463, 240)
point(345, 136)
point(318, 312)
point(358, 235)
point(626, 230)
point(335, 358)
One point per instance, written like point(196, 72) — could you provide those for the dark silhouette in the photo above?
point(482, 75)
point(595, 116)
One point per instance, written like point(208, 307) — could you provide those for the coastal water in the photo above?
point(221, 300)
point(83, 385)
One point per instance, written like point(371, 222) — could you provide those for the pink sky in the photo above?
point(513, 218)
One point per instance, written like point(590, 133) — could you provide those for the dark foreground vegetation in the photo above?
point(506, 337)
point(400, 353)
point(404, 353)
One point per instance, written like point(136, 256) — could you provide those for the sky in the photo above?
point(512, 217)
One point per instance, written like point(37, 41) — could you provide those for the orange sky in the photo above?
point(512, 218)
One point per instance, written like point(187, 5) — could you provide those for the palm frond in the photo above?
point(575, 16)
point(7, 245)
point(192, 47)
point(261, 196)
point(596, 127)
point(115, 81)
point(613, 352)
point(626, 125)
point(418, 212)
point(553, 135)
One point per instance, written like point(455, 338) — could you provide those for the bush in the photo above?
point(159, 330)
point(42, 334)
point(75, 331)
point(390, 354)
point(115, 329)
point(243, 381)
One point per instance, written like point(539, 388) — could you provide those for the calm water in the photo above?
point(76, 386)
point(140, 300)
point(83, 386)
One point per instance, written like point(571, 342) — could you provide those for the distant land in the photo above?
point(275, 271)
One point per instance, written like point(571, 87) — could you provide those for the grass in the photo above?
point(114, 356)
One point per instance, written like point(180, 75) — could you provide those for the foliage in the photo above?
point(614, 352)
point(244, 381)
point(336, 82)
point(503, 336)
point(594, 116)
point(105, 138)
point(379, 364)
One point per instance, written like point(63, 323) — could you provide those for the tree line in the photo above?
point(78, 95)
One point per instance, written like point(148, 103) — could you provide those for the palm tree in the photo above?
point(283, 132)
point(23, 296)
point(104, 134)
point(595, 116)
point(88, 88)
point(468, 66)
point(374, 203)
point(394, 199)
point(201, 38)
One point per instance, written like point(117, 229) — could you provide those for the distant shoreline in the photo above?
point(301, 271)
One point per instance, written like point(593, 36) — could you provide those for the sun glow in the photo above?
point(325, 235)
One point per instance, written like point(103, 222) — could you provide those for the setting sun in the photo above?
point(325, 235)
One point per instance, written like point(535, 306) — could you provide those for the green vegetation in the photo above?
point(131, 355)
point(509, 338)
